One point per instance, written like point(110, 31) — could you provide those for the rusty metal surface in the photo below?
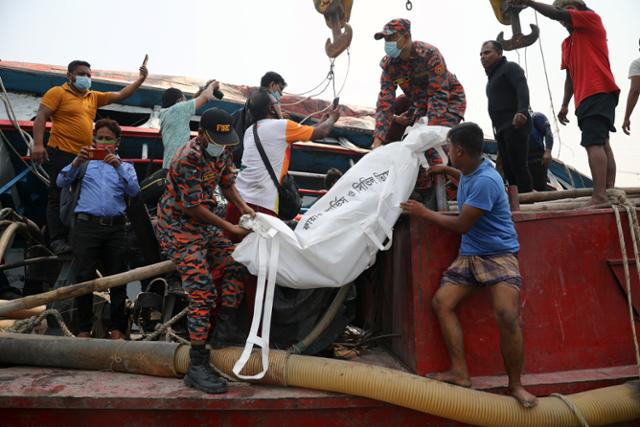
point(346, 417)
point(54, 397)
point(53, 387)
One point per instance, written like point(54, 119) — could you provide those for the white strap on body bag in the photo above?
point(265, 289)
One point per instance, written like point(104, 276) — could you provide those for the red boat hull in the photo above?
point(576, 325)
point(57, 397)
point(574, 309)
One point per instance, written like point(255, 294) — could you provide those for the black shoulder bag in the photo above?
point(69, 196)
point(289, 200)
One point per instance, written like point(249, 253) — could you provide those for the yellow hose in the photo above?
point(7, 236)
point(598, 407)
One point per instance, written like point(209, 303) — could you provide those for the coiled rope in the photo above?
point(166, 326)
point(27, 326)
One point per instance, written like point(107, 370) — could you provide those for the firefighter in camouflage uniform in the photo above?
point(430, 89)
point(191, 235)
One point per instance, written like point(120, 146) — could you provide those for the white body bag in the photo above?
point(339, 237)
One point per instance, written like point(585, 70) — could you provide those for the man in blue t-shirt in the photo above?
point(487, 258)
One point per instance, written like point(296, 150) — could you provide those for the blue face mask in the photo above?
point(276, 95)
point(214, 150)
point(82, 83)
point(391, 49)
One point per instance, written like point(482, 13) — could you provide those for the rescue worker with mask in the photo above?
point(191, 235)
point(430, 89)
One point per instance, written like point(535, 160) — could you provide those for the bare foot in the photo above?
point(452, 377)
point(84, 335)
point(596, 203)
point(525, 398)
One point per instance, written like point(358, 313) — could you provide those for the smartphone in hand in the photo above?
point(98, 153)
point(146, 59)
point(336, 102)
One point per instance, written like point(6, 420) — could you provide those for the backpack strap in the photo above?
point(264, 157)
point(75, 187)
point(83, 170)
point(78, 181)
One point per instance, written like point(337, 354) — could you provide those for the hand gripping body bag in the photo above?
point(339, 237)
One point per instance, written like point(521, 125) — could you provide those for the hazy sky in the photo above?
point(236, 41)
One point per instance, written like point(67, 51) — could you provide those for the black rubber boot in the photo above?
point(227, 332)
point(201, 375)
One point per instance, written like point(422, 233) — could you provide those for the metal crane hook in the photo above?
point(517, 40)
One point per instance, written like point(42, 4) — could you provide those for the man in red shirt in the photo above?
point(585, 56)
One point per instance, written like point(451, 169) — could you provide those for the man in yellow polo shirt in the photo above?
point(71, 108)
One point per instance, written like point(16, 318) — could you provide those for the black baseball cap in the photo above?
point(217, 124)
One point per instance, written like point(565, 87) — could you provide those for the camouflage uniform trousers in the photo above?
point(196, 263)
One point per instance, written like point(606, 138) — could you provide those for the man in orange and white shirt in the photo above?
point(276, 135)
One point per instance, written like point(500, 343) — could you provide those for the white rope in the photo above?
point(551, 102)
point(553, 109)
point(327, 81)
point(620, 198)
point(335, 94)
point(324, 80)
point(581, 420)
point(15, 151)
point(324, 89)
point(346, 76)
point(315, 113)
point(37, 169)
point(632, 216)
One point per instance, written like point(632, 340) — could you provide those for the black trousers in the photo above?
point(58, 159)
point(104, 245)
point(513, 145)
point(538, 174)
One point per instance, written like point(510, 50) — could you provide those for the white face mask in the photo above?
point(82, 83)
point(214, 150)
point(392, 49)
